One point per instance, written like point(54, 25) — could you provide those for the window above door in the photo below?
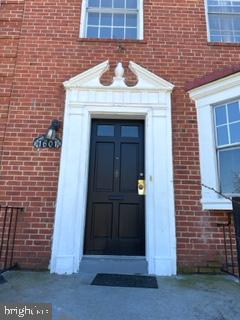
point(112, 19)
point(223, 20)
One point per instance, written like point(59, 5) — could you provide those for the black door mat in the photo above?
point(123, 280)
point(2, 279)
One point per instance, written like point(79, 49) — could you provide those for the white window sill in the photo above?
point(226, 44)
point(85, 39)
point(216, 204)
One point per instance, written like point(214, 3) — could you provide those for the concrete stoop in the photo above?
point(114, 264)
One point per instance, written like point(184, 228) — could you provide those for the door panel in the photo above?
point(130, 168)
point(115, 211)
point(129, 226)
point(104, 169)
point(102, 220)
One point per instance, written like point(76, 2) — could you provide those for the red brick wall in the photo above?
point(11, 13)
point(175, 47)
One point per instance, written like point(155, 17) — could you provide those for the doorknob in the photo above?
point(141, 187)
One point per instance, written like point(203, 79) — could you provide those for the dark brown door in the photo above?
point(115, 213)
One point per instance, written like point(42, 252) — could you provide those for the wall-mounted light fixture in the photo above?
point(50, 139)
point(51, 133)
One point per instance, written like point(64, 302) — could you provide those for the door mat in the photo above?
point(2, 279)
point(122, 280)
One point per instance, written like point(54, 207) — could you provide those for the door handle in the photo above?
point(141, 187)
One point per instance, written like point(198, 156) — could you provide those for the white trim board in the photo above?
point(87, 98)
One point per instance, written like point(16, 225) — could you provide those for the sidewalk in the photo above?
point(196, 297)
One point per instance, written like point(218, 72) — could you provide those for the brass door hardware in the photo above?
point(141, 187)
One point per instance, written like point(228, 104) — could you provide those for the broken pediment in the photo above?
point(91, 78)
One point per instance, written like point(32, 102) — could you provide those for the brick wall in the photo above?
point(174, 47)
point(11, 14)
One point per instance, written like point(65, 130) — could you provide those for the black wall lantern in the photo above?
point(50, 139)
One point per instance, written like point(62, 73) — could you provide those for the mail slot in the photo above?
point(113, 197)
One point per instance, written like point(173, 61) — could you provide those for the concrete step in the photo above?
point(114, 264)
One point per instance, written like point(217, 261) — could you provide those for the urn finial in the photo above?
point(119, 70)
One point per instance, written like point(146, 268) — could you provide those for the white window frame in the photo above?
point(206, 97)
point(208, 26)
point(228, 146)
point(140, 26)
point(207, 20)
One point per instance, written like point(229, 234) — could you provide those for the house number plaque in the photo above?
point(44, 142)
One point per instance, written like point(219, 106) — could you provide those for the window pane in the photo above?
point(105, 130)
point(118, 20)
point(131, 33)
point(222, 135)
point(93, 19)
point(106, 19)
point(236, 23)
point(106, 3)
point(235, 132)
point(223, 6)
point(221, 116)
point(105, 33)
point(228, 38)
point(93, 3)
point(212, 2)
point(215, 38)
point(118, 33)
point(131, 4)
point(92, 32)
point(214, 22)
point(131, 20)
point(119, 3)
point(129, 131)
point(233, 112)
point(236, 7)
point(226, 22)
point(229, 164)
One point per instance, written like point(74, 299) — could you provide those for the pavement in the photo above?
point(188, 297)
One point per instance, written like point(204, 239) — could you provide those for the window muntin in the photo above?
point(112, 19)
point(227, 126)
point(224, 20)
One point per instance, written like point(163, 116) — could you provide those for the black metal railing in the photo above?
point(236, 219)
point(231, 240)
point(231, 235)
point(8, 227)
point(229, 265)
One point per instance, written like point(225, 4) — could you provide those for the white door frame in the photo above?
point(87, 98)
